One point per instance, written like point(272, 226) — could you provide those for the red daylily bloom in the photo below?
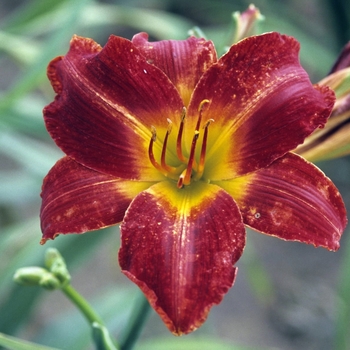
point(184, 150)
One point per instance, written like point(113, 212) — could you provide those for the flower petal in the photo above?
point(291, 199)
point(179, 247)
point(108, 100)
point(76, 199)
point(183, 61)
point(262, 102)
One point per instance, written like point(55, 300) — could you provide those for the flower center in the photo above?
point(189, 168)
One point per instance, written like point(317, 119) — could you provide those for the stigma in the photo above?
point(190, 168)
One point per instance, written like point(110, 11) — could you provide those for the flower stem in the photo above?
point(82, 304)
point(139, 316)
point(101, 336)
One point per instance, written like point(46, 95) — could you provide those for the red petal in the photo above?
point(291, 199)
point(262, 102)
point(183, 61)
point(179, 247)
point(107, 102)
point(76, 199)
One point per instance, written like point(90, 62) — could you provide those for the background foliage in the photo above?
point(287, 295)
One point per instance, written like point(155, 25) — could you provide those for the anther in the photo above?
point(201, 105)
point(200, 109)
point(154, 133)
point(170, 125)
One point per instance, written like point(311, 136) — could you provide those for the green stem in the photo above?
point(82, 304)
point(101, 336)
point(141, 312)
point(342, 339)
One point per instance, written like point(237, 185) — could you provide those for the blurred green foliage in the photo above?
point(33, 32)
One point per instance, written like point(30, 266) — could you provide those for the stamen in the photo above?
point(179, 153)
point(200, 109)
point(188, 168)
point(201, 105)
point(201, 163)
point(166, 167)
point(150, 149)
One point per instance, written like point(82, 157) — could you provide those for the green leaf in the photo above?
point(190, 344)
point(29, 12)
point(22, 49)
point(36, 73)
point(13, 343)
point(33, 155)
point(26, 116)
point(161, 24)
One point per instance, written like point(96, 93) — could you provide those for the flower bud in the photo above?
point(57, 266)
point(49, 282)
point(36, 276)
point(246, 23)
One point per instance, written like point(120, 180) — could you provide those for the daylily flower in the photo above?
point(184, 149)
point(333, 140)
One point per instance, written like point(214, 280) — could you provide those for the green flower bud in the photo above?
point(36, 276)
point(30, 276)
point(57, 266)
point(52, 256)
point(50, 282)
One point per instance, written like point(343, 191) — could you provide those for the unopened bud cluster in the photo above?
point(54, 276)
